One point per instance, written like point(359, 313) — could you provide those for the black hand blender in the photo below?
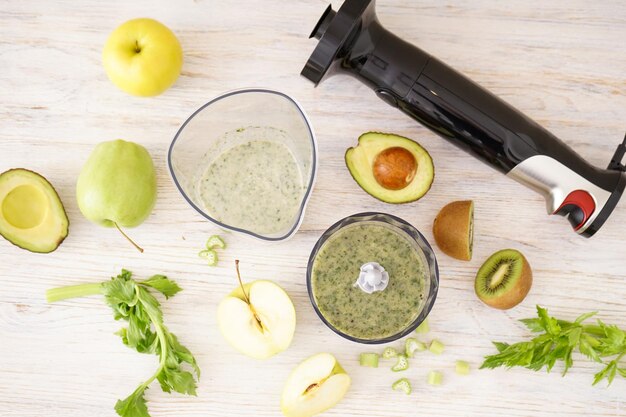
point(353, 41)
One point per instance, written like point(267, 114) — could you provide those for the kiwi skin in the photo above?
point(454, 229)
point(518, 289)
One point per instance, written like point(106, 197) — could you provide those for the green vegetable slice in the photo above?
point(210, 255)
point(402, 364)
point(389, 353)
point(369, 359)
point(462, 368)
point(403, 385)
point(436, 347)
point(423, 327)
point(412, 345)
point(435, 378)
point(215, 242)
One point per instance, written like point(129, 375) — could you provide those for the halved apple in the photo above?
point(264, 326)
point(316, 385)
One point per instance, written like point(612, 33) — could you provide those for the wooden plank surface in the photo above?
point(563, 62)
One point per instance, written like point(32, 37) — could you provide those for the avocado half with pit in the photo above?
point(31, 213)
point(392, 168)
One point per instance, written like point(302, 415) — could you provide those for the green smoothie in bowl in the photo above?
point(372, 278)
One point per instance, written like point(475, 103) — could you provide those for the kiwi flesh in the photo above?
point(504, 280)
point(454, 229)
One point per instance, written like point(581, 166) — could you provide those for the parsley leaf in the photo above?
point(556, 340)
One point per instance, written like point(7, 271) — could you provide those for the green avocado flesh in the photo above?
point(360, 161)
point(31, 213)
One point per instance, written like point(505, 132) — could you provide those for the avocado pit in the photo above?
point(391, 168)
point(394, 168)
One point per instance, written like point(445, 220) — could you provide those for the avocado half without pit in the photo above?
point(31, 213)
point(392, 168)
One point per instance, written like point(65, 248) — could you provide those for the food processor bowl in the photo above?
point(419, 243)
point(235, 118)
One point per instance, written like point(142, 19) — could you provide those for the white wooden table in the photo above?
point(563, 62)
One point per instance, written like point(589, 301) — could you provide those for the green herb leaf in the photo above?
point(614, 341)
point(534, 325)
point(549, 324)
point(182, 353)
point(557, 341)
point(586, 349)
point(567, 359)
point(133, 302)
point(574, 336)
point(161, 283)
point(134, 405)
point(177, 380)
point(500, 346)
point(585, 316)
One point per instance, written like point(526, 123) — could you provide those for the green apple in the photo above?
point(316, 385)
point(142, 57)
point(258, 319)
point(117, 185)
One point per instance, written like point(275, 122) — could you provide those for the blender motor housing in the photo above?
point(353, 41)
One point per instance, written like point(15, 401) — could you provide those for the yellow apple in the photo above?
point(260, 322)
point(314, 386)
point(142, 57)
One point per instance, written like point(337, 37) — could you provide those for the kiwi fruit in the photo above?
point(454, 229)
point(504, 280)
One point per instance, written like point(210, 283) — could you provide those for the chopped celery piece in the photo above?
point(423, 327)
point(402, 364)
point(436, 347)
point(210, 255)
point(369, 359)
point(403, 385)
point(462, 368)
point(389, 353)
point(215, 242)
point(435, 378)
point(413, 345)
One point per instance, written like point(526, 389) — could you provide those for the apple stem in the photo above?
point(139, 248)
point(240, 282)
point(256, 317)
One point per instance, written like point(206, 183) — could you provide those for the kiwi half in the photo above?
point(454, 229)
point(504, 279)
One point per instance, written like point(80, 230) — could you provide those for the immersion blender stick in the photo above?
point(353, 41)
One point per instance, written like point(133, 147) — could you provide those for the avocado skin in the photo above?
point(393, 140)
point(56, 198)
